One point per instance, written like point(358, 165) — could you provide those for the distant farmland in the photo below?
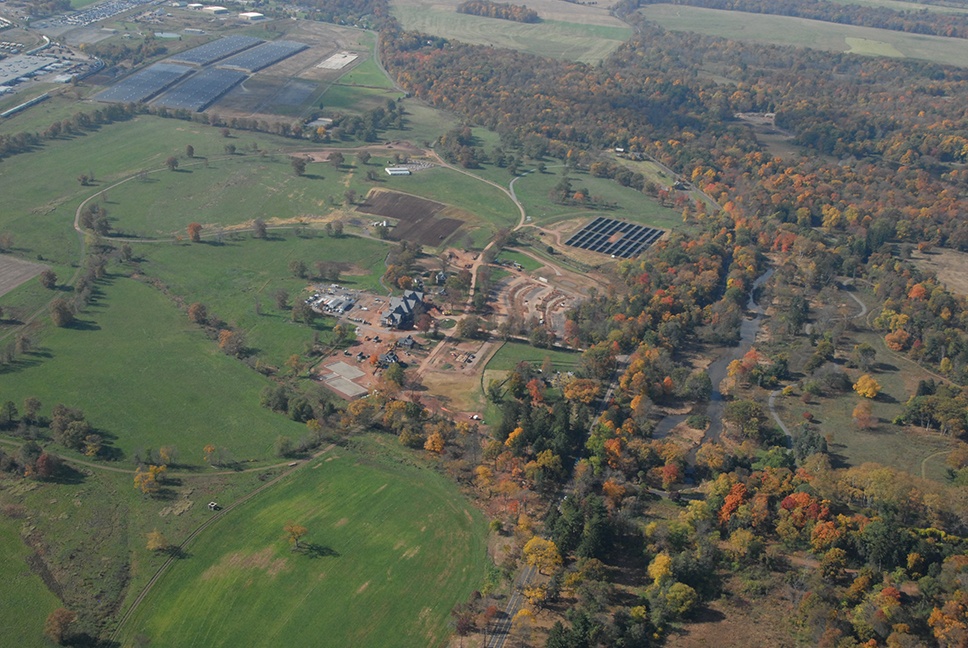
point(800, 32)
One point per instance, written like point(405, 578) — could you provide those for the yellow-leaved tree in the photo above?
point(867, 387)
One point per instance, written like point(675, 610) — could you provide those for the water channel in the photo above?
point(748, 329)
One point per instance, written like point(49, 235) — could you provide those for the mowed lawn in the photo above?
point(390, 549)
point(512, 353)
point(26, 601)
point(800, 32)
point(144, 374)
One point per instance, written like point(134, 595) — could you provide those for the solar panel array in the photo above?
point(143, 85)
point(201, 90)
point(614, 237)
point(263, 56)
point(216, 50)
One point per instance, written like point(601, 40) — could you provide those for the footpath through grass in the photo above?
point(390, 549)
point(146, 377)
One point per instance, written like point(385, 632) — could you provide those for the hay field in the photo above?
point(567, 31)
point(800, 32)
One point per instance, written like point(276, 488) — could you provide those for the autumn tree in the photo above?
point(542, 554)
point(156, 541)
point(294, 532)
point(867, 387)
point(48, 279)
point(61, 313)
point(194, 232)
point(862, 415)
point(198, 313)
point(57, 625)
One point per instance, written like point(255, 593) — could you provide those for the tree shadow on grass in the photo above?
point(316, 550)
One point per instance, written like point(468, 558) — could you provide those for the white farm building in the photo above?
point(397, 171)
point(252, 16)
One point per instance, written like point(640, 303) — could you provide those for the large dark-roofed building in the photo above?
point(615, 238)
point(201, 90)
point(262, 56)
point(216, 50)
point(143, 85)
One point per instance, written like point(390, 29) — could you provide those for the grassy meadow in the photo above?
point(631, 205)
point(390, 549)
point(26, 600)
point(232, 277)
point(146, 377)
point(512, 353)
point(576, 33)
point(800, 32)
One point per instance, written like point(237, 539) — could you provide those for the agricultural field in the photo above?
point(900, 5)
point(146, 377)
point(390, 549)
point(800, 32)
point(417, 218)
point(567, 31)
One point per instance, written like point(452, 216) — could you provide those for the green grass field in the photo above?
point(899, 5)
point(451, 187)
point(588, 43)
point(224, 191)
point(143, 374)
point(26, 600)
point(533, 189)
point(391, 549)
point(509, 355)
point(230, 278)
point(800, 32)
point(528, 263)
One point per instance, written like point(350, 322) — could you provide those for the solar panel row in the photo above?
point(201, 90)
point(143, 85)
point(263, 56)
point(216, 50)
point(614, 237)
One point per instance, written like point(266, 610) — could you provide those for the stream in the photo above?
point(748, 329)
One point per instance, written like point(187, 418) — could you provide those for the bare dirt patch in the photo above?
point(242, 560)
point(14, 272)
point(950, 266)
point(417, 218)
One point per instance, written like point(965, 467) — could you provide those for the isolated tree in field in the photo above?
point(298, 268)
point(336, 230)
point(189, 151)
point(209, 453)
point(31, 409)
point(156, 541)
point(61, 313)
point(298, 165)
point(194, 232)
point(171, 163)
point(259, 229)
point(350, 196)
point(336, 159)
point(6, 241)
point(340, 333)
point(294, 532)
point(281, 298)
point(229, 149)
point(231, 342)
point(542, 554)
point(198, 313)
point(862, 415)
point(8, 414)
point(84, 179)
point(225, 132)
point(363, 157)
point(126, 253)
point(867, 387)
point(863, 356)
point(57, 625)
point(48, 279)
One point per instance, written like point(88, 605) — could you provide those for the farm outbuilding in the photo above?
point(215, 10)
point(397, 171)
point(251, 16)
